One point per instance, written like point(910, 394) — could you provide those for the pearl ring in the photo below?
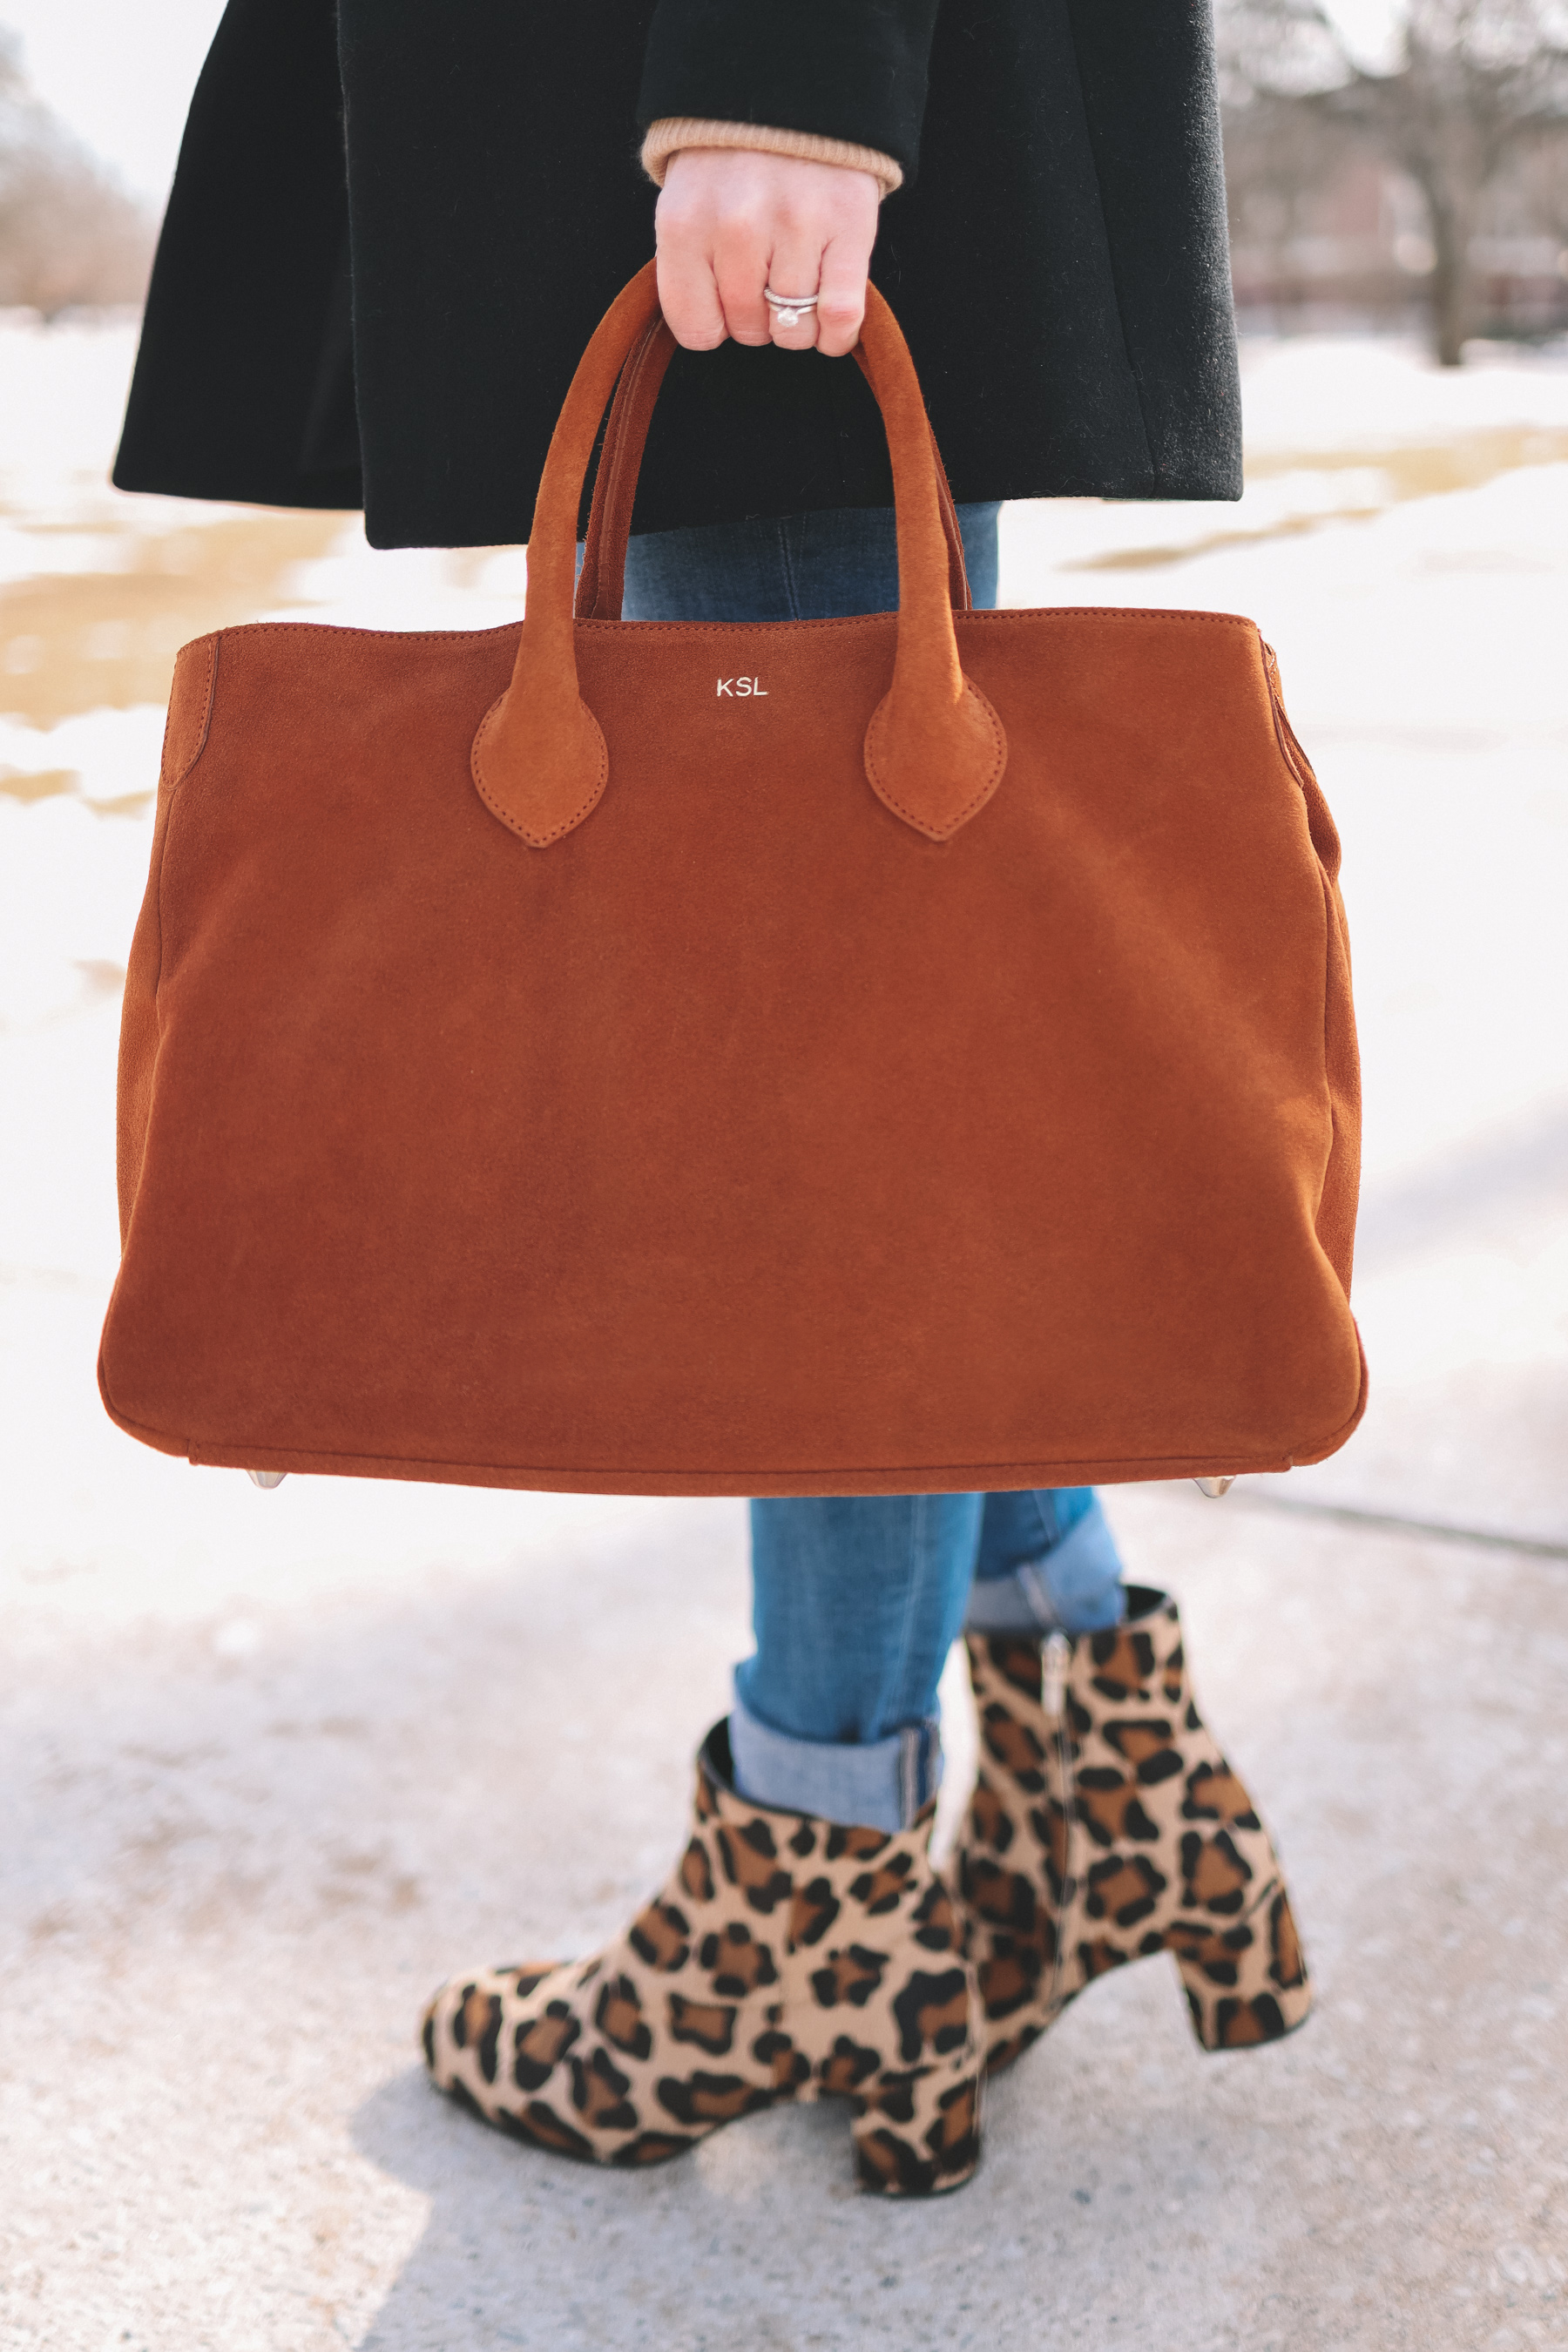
point(789, 308)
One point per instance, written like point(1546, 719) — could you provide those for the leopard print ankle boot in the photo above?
point(787, 1958)
point(1106, 1825)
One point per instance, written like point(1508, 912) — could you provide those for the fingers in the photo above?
point(795, 266)
point(688, 295)
point(822, 245)
point(740, 246)
point(731, 221)
point(711, 223)
point(841, 300)
point(687, 290)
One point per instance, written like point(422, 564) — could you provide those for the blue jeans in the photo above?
point(859, 1599)
point(806, 567)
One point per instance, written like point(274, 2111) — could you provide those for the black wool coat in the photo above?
point(395, 223)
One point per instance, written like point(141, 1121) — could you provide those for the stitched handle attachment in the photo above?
point(935, 750)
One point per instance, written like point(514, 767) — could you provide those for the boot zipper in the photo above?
point(1053, 1675)
point(1057, 1660)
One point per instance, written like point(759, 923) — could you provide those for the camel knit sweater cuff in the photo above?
point(666, 139)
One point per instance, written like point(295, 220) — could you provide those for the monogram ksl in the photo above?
point(742, 685)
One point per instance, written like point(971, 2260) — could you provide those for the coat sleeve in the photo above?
point(243, 382)
point(845, 69)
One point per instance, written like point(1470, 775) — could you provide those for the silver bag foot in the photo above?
point(1213, 1488)
point(270, 1478)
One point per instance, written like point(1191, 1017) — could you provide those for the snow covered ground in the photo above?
point(275, 1763)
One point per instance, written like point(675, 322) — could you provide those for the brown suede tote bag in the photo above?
point(898, 1053)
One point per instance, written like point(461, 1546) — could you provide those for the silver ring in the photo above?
point(789, 308)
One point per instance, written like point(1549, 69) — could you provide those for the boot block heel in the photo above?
point(918, 2135)
point(1245, 1985)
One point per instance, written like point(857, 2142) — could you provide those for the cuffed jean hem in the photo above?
point(1083, 1593)
point(883, 1785)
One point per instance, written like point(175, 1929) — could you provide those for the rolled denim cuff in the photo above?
point(1076, 1586)
point(884, 1784)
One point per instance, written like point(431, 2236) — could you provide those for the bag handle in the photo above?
point(934, 750)
point(631, 413)
point(601, 583)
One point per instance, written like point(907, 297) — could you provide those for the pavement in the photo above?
point(275, 1764)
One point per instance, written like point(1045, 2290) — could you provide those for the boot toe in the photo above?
point(776, 1964)
point(462, 2032)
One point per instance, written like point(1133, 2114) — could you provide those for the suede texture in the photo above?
point(1058, 261)
point(744, 1140)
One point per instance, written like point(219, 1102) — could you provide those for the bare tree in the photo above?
point(1473, 83)
point(68, 233)
point(1279, 157)
point(1540, 177)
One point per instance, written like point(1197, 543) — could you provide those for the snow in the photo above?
point(1328, 392)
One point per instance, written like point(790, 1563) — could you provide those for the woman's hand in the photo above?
point(731, 221)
